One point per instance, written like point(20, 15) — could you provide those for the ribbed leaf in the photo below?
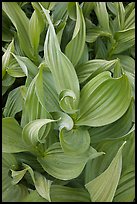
point(126, 188)
point(58, 63)
point(32, 108)
point(6, 57)
point(64, 166)
point(91, 68)
point(64, 120)
point(93, 33)
point(75, 47)
point(87, 8)
point(67, 194)
point(100, 8)
point(67, 100)
point(75, 141)
point(14, 103)
point(46, 90)
point(124, 40)
point(11, 193)
point(21, 23)
point(103, 187)
point(104, 93)
point(14, 69)
point(36, 131)
point(36, 25)
point(11, 136)
point(33, 196)
point(115, 130)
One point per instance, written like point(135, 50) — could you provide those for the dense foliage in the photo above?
point(68, 101)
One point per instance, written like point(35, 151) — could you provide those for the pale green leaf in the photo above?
point(64, 166)
point(67, 100)
point(126, 188)
point(6, 57)
point(14, 103)
point(46, 90)
point(104, 93)
point(93, 33)
point(42, 185)
point(14, 69)
point(21, 23)
point(64, 120)
point(33, 196)
point(58, 63)
point(75, 47)
point(102, 15)
point(75, 141)
point(32, 108)
point(11, 193)
point(36, 131)
point(61, 165)
point(103, 187)
point(12, 136)
point(91, 68)
point(68, 194)
point(114, 130)
point(36, 25)
point(124, 40)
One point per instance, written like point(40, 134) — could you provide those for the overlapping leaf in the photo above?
point(12, 136)
point(104, 93)
point(75, 47)
point(103, 187)
point(59, 64)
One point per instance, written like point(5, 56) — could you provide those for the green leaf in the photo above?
point(93, 33)
point(68, 194)
point(124, 40)
point(11, 193)
point(14, 69)
point(91, 68)
point(67, 100)
point(87, 8)
point(18, 175)
point(21, 23)
point(6, 57)
point(100, 8)
point(32, 108)
point(11, 136)
point(64, 120)
point(75, 47)
point(126, 188)
point(103, 187)
point(33, 196)
point(58, 63)
point(42, 185)
point(75, 141)
point(46, 90)
point(7, 32)
point(63, 166)
point(104, 93)
point(36, 25)
point(114, 130)
point(14, 103)
point(36, 131)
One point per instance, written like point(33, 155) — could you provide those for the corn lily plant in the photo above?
point(68, 101)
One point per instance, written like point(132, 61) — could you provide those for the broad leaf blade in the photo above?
point(11, 136)
point(104, 93)
point(103, 187)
